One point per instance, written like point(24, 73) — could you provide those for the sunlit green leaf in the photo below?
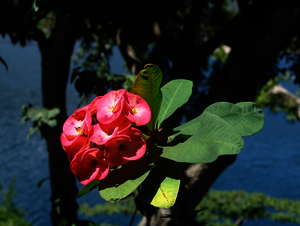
point(167, 193)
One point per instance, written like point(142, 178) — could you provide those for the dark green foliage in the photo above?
point(88, 82)
point(39, 117)
point(221, 54)
point(232, 207)
point(123, 207)
point(9, 214)
point(126, 207)
point(92, 74)
point(286, 102)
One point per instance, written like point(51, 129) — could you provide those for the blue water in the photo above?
point(269, 163)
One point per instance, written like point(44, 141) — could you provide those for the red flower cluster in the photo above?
point(100, 135)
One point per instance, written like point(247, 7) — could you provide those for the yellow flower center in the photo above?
point(134, 110)
point(112, 108)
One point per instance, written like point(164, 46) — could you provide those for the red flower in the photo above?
point(100, 135)
point(116, 105)
point(76, 130)
point(122, 123)
point(122, 149)
point(89, 164)
point(93, 105)
point(110, 106)
point(139, 111)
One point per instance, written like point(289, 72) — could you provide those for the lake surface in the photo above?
point(269, 163)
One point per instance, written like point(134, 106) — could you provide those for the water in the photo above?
point(270, 159)
point(269, 163)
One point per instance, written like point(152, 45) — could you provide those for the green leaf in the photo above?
point(252, 118)
point(122, 190)
point(53, 112)
point(245, 117)
point(214, 137)
point(147, 85)
point(167, 193)
point(218, 131)
point(174, 94)
point(39, 117)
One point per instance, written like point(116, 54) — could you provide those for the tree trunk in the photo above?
point(56, 55)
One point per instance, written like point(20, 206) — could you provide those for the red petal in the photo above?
point(93, 105)
point(109, 107)
point(139, 110)
point(71, 147)
point(80, 122)
point(98, 174)
point(122, 123)
point(120, 150)
point(89, 165)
